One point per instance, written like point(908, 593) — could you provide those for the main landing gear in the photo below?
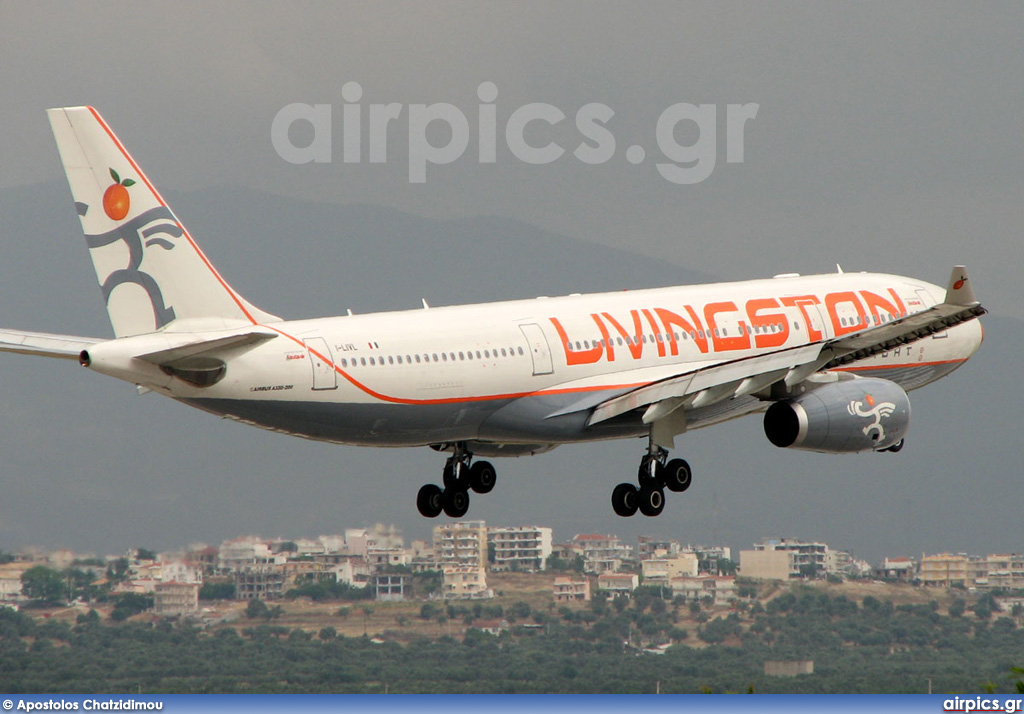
point(458, 478)
point(656, 473)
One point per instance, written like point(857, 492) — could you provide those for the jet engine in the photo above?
point(849, 415)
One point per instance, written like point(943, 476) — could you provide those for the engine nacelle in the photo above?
point(860, 414)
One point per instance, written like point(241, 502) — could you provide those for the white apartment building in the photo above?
point(569, 590)
point(721, 589)
point(462, 544)
point(465, 583)
point(617, 584)
point(658, 571)
point(522, 548)
point(603, 553)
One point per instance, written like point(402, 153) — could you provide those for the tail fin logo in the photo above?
point(116, 201)
point(149, 229)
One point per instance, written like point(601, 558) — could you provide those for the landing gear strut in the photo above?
point(656, 473)
point(458, 477)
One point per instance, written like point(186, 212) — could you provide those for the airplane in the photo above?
point(828, 358)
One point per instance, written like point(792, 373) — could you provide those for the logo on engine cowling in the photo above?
point(876, 412)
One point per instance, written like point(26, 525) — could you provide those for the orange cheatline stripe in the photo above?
point(868, 368)
point(449, 400)
point(195, 246)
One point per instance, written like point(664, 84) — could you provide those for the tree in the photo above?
point(130, 604)
point(256, 608)
point(118, 570)
point(1019, 684)
point(217, 591)
point(43, 584)
point(144, 554)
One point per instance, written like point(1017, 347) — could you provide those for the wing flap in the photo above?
point(710, 381)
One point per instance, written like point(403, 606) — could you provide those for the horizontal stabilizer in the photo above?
point(196, 347)
point(44, 344)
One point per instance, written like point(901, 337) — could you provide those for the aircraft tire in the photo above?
point(651, 501)
point(428, 501)
point(678, 475)
point(455, 502)
point(625, 500)
point(482, 477)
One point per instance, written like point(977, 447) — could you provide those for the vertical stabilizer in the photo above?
point(151, 272)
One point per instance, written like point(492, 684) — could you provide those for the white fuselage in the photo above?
point(520, 376)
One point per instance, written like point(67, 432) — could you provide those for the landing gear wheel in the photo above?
point(482, 477)
point(651, 473)
point(455, 502)
point(625, 500)
point(428, 501)
point(651, 501)
point(454, 475)
point(896, 448)
point(677, 475)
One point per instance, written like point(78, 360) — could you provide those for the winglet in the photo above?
point(959, 290)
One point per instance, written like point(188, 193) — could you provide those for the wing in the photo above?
point(45, 344)
point(665, 401)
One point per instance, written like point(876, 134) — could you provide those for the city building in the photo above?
point(240, 553)
point(462, 582)
point(904, 569)
point(807, 559)
point(618, 584)
point(391, 587)
point(649, 547)
point(658, 571)
point(569, 590)
point(603, 553)
point(260, 581)
point(521, 548)
point(766, 564)
point(381, 557)
point(10, 580)
point(944, 570)
point(462, 544)
point(175, 598)
point(721, 589)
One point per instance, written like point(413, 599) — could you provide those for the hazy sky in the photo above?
point(886, 138)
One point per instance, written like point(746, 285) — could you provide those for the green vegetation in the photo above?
point(320, 590)
point(867, 646)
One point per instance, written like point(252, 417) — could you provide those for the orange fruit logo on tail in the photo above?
point(116, 201)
